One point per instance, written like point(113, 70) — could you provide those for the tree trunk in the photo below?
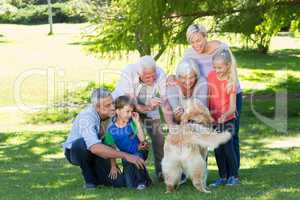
point(50, 20)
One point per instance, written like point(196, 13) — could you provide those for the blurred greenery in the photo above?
point(152, 27)
point(36, 13)
point(65, 109)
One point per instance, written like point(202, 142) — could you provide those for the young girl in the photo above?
point(126, 133)
point(222, 88)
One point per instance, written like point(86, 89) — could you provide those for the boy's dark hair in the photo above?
point(123, 101)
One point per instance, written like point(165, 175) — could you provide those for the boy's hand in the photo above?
point(114, 172)
point(143, 146)
point(135, 117)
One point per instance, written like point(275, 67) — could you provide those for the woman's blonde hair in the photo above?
point(195, 28)
point(226, 56)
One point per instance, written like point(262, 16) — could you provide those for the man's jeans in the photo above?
point(95, 170)
point(155, 132)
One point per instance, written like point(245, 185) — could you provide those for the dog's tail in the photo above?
point(210, 139)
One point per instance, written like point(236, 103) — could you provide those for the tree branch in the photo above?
point(232, 11)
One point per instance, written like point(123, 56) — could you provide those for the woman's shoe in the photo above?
point(232, 181)
point(218, 182)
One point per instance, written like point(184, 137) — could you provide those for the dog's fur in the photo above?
point(186, 148)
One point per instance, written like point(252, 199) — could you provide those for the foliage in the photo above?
point(259, 27)
point(66, 109)
point(150, 27)
point(28, 13)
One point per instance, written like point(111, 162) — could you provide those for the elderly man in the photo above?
point(146, 84)
point(83, 146)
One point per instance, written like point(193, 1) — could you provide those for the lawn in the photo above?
point(32, 166)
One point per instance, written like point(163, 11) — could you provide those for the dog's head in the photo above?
point(197, 113)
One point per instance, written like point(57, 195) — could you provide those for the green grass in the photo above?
point(32, 166)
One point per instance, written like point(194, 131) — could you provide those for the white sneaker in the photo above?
point(141, 187)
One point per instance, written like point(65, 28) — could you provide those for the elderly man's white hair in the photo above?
point(186, 67)
point(195, 28)
point(98, 94)
point(146, 62)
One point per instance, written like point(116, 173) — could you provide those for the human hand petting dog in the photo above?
point(222, 119)
point(179, 111)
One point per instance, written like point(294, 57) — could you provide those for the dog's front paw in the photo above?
point(170, 189)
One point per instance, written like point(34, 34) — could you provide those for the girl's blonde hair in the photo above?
point(226, 56)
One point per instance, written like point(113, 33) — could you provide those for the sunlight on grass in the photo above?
point(42, 168)
point(261, 79)
point(85, 196)
point(38, 150)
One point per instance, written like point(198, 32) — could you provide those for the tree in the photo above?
point(152, 26)
point(260, 26)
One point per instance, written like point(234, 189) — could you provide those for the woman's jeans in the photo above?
point(225, 154)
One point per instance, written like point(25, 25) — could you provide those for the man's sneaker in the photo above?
point(89, 186)
point(218, 182)
point(233, 181)
point(183, 179)
point(141, 187)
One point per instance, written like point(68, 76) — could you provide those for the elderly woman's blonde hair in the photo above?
point(195, 28)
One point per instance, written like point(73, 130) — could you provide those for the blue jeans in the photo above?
point(225, 154)
point(236, 140)
point(133, 175)
point(94, 169)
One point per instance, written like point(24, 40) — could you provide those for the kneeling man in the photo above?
point(84, 147)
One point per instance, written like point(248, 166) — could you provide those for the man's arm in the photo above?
point(104, 151)
point(124, 85)
point(87, 126)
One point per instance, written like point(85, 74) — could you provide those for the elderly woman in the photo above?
point(202, 51)
point(190, 86)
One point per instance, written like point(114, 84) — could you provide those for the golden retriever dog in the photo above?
point(186, 148)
